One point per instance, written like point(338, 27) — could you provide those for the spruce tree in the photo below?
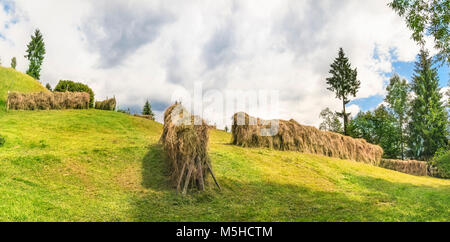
point(427, 128)
point(48, 86)
point(35, 54)
point(13, 63)
point(147, 109)
point(343, 83)
point(397, 100)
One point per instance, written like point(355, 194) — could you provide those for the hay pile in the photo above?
point(108, 104)
point(144, 116)
point(295, 137)
point(413, 167)
point(48, 100)
point(187, 148)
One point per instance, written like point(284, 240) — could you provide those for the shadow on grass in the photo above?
point(362, 199)
point(155, 169)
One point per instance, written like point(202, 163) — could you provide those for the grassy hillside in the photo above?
point(13, 80)
point(89, 165)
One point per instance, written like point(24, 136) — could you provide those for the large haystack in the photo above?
point(48, 100)
point(186, 144)
point(108, 104)
point(413, 167)
point(252, 132)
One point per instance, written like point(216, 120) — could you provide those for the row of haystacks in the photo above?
point(413, 167)
point(186, 144)
point(108, 104)
point(145, 116)
point(291, 136)
point(48, 100)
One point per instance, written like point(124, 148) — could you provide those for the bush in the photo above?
point(124, 111)
point(440, 164)
point(70, 86)
point(2, 141)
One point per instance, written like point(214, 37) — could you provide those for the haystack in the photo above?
point(291, 136)
point(145, 116)
point(186, 144)
point(48, 100)
point(108, 104)
point(413, 167)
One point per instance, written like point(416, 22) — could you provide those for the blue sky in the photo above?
point(406, 70)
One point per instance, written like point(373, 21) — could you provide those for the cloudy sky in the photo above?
point(148, 49)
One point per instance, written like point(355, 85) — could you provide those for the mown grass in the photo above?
point(90, 165)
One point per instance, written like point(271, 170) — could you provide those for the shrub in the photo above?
point(70, 86)
point(2, 141)
point(124, 111)
point(440, 164)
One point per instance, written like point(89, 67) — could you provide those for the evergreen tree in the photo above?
point(427, 128)
point(343, 83)
point(330, 121)
point(397, 99)
point(35, 54)
point(13, 63)
point(147, 109)
point(48, 86)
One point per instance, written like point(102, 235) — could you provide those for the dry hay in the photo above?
point(48, 100)
point(144, 116)
point(186, 144)
point(249, 132)
point(108, 104)
point(413, 167)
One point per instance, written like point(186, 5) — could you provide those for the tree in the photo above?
point(71, 86)
point(427, 17)
point(48, 86)
point(35, 54)
point(343, 83)
point(377, 127)
point(448, 94)
point(147, 109)
point(330, 121)
point(13, 63)
point(427, 127)
point(397, 100)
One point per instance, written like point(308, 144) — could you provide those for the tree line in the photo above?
point(413, 122)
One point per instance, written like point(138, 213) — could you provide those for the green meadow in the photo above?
point(91, 165)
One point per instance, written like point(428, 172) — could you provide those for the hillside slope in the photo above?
point(90, 165)
point(14, 80)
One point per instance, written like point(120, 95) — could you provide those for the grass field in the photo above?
point(106, 166)
point(91, 165)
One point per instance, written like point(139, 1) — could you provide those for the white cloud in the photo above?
point(140, 49)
